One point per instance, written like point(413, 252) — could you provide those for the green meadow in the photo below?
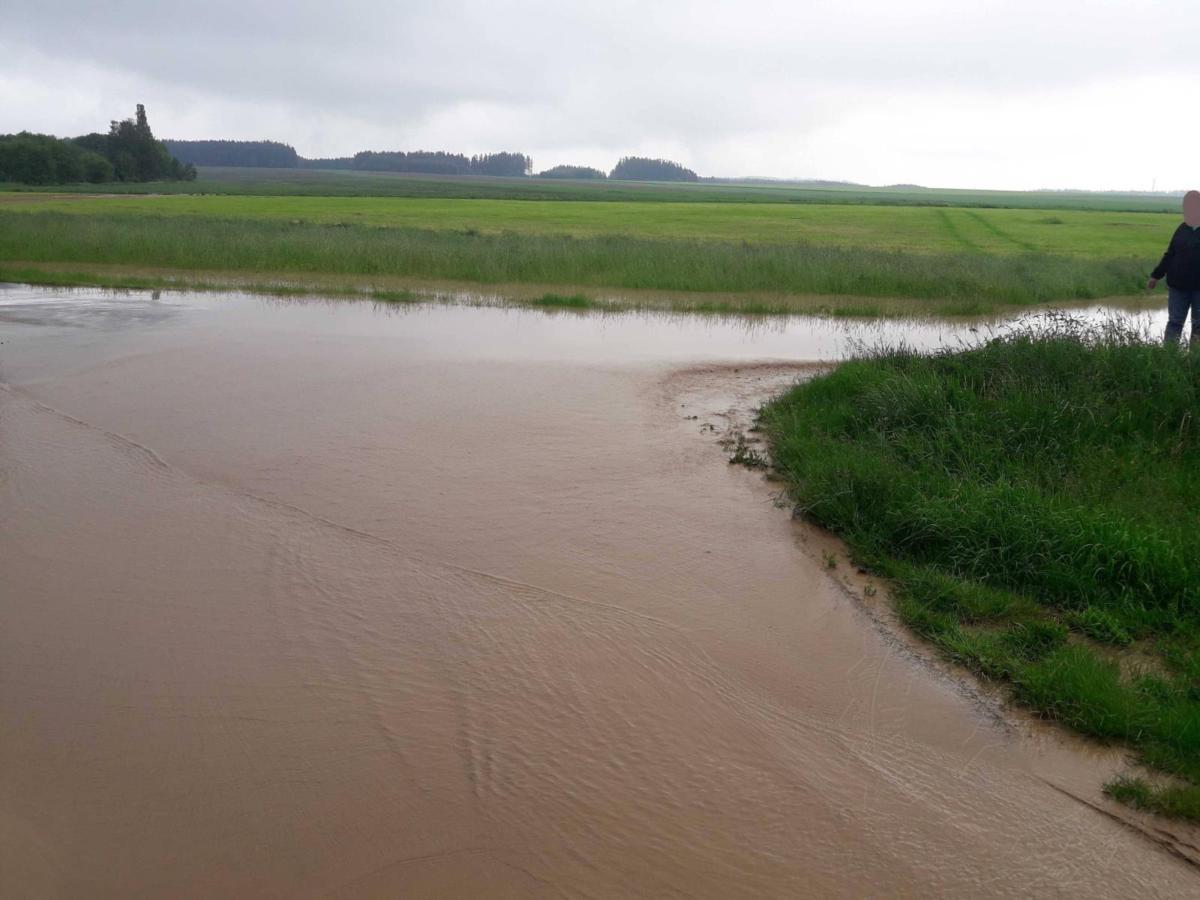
point(917, 229)
point(90, 246)
point(758, 248)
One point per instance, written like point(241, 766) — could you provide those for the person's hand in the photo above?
point(1150, 285)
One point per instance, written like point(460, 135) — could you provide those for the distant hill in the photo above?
point(786, 182)
point(328, 162)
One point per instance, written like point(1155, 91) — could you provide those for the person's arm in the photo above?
point(1161, 269)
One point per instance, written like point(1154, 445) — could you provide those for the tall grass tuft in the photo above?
point(1037, 500)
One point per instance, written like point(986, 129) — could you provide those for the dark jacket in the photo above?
point(1181, 262)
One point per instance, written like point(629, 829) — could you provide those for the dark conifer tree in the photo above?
point(137, 156)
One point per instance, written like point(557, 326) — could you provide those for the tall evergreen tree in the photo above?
point(137, 156)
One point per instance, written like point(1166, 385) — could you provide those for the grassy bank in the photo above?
point(1035, 501)
point(389, 288)
point(951, 282)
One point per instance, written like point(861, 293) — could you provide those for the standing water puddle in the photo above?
point(305, 599)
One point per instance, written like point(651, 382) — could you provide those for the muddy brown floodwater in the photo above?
point(306, 599)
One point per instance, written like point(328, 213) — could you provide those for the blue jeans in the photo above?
point(1178, 304)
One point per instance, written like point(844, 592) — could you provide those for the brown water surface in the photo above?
point(325, 599)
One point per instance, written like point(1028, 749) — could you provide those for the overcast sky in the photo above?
point(961, 93)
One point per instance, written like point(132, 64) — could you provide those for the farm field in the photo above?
point(910, 228)
point(847, 258)
point(342, 183)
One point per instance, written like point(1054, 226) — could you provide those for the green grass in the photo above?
point(1034, 500)
point(307, 182)
point(1167, 800)
point(913, 229)
point(192, 245)
point(730, 248)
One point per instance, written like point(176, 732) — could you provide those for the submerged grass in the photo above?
point(973, 282)
point(133, 281)
point(563, 301)
point(401, 290)
point(393, 289)
point(1167, 800)
point(1034, 500)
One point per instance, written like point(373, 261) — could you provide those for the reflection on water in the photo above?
point(51, 307)
point(306, 599)
point(511, 332)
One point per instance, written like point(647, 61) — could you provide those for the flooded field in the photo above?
point(329, 599)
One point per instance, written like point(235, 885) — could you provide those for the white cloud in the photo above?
point(991, 94)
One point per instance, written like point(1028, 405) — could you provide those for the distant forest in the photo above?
point(639, 168)
point(439, 163)
point(577, 172)
point(128, 152)
point(274, 155)
point(260, 154)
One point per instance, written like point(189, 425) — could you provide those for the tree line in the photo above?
point(272, 154)
point(629, 168)
point(128, 152)
point(513, 165)
point(583, 173)
point(641, 168)
point(255, 154)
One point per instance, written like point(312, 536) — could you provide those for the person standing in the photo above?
point(1181, 266)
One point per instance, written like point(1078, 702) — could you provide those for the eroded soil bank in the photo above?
point(306, 600)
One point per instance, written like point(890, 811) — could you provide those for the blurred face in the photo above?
point(1191, 208)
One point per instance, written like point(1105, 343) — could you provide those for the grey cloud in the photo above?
point(607, 75)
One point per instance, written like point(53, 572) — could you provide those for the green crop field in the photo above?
point(315, 182)
point(768, 248)
point(908, 228)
